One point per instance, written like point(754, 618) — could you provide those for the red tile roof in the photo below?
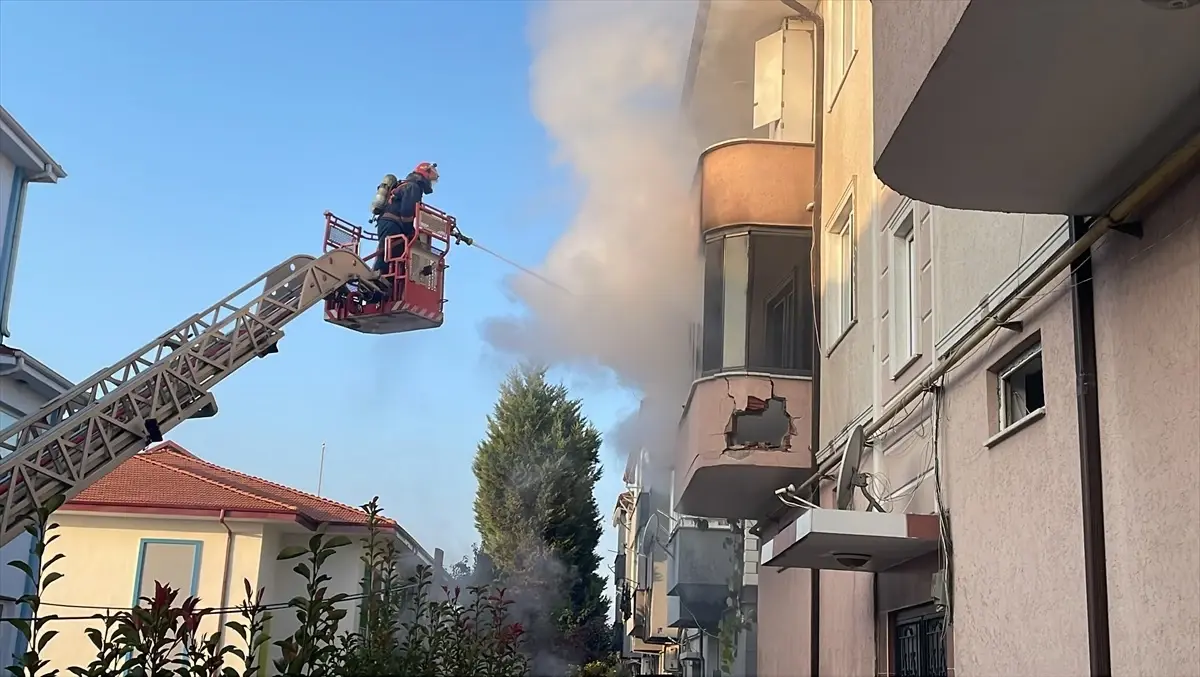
point(169, 479)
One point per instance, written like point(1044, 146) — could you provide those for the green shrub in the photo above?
point(404, 627)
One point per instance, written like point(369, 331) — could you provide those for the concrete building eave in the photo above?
point(25, 152)
point(1028, 106)
point(828, 539)
point(42, 379)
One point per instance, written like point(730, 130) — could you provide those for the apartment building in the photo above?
point(648, 645)
point(675, 578)
point(1001, 333)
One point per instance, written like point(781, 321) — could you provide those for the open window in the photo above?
point(757, 302)
point(1020, 388)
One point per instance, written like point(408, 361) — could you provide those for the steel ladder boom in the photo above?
point(85, 433)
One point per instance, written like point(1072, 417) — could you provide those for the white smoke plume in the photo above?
point(606, 84)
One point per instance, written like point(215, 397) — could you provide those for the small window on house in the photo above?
point(904, 272)
point(842, 260)
point(172, 563)
point(1021, 390)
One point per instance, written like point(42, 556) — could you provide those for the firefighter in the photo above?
point(400, 212)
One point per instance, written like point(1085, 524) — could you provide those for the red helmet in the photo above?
point(427, 170)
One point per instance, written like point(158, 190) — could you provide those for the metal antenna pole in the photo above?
point(321, 470)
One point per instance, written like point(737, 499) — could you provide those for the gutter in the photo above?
point(1144, 193)
point(1087, 400)
point(815, 272)
point(51, 170)
point(225, 579)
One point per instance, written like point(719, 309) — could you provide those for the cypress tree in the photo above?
point(537, 468)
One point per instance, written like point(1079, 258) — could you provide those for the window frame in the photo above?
point(841, 313)
point(841, 49)
point(716, 342)
point(1004, 387)
point(139, 572)
point(905, 339)
point(198, 547)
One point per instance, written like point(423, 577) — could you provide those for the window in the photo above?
point(173, 563)
point(757, 302)
point(6, 419)
point(904, 277)
point(841, 302)
point(780, 324)
point(919, 643)
point(841, 45)
point(1020, 387)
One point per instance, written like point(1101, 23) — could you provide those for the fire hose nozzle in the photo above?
point(462, 239)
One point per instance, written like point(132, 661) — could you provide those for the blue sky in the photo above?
point(203, 142)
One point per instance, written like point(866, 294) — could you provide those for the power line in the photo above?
point(273, 606)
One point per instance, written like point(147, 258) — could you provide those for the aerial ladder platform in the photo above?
point(85, 433)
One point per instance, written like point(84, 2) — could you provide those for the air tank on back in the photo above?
point(381, 194)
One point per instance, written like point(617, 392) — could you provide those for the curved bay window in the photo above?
point(757, 301)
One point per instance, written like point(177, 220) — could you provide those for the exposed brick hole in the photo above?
point(763, 424)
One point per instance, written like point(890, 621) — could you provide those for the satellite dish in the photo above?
point(851, 456)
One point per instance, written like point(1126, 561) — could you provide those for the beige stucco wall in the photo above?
point(345, 570)
point(100, 563)
point(783, 622)
point(847, 617)
point(847, 161)
point(974, 253)
point(1016, 520)
point(1148, 356)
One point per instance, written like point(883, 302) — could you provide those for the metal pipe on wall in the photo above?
point(818, 23)
point(228, 568)
point(1083, 315)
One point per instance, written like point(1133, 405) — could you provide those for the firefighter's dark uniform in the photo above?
point(399, 215)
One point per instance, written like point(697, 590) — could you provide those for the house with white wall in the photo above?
point(25, 383)
point(168, 516)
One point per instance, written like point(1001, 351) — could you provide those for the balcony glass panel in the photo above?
point(758, 302)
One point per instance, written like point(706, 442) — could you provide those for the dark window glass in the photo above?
point(778, 321)
point(713, 305)
point(780, 305)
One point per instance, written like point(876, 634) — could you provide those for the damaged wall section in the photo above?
point(759, 419)
point(740, 434)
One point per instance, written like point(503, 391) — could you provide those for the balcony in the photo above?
point(698, 574)
point(742, 437)
point(756, 182)
point(853, 540)
point(1028, 106)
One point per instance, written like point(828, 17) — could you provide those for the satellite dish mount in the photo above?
point(850, 478)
